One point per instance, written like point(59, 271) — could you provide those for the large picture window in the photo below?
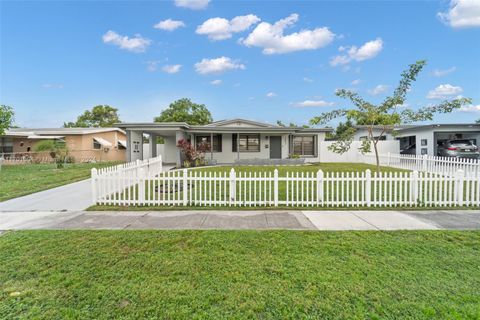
point(304, 145)
point(246, 142)
point(217, 142)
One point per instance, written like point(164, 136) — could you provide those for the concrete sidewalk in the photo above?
point(240, 220)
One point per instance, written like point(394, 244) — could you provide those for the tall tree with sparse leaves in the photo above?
point(7, 116)
point(184, 110)
point(388, 113)
point(100, 116)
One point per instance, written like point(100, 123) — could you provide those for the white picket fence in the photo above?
point(446, 166)
point(294, 189)
point(122, 177)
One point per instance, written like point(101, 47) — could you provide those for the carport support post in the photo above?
point(185, 186)
point(460, 177)
point(368, 187)
point(94, 185)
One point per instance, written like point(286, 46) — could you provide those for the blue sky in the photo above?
point(278, 60)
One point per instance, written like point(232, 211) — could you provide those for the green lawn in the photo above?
point(239, 274)
point(19, 180)
point(314, 167)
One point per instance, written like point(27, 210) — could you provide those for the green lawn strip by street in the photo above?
point(240, 274)
point(20, 180)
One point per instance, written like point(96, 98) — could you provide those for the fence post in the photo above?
point(319, 186)
point(459, 186)
point(368, 187)
point(141, 186)
point(185, 186)
point(414, 187)
point(424, 162)
point(232, 186)
point(275, 188)
point(94, 185)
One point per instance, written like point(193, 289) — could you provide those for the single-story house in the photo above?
point(424, 139)
point(231, 140)
point(83, 144)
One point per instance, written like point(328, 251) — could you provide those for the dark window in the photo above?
point(96, 144)
point(217, 142)
point(304, 145)
point(246, 142)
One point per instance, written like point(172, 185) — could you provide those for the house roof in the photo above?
point(422, 126)
point(36, 132)
point(231, 125)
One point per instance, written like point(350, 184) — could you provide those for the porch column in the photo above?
point(152, 145)
point(134, 145)
point(211, 146)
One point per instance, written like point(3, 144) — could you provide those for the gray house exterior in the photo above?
point(426, 138)
point(231, 140)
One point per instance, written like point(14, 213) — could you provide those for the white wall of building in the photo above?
point(353, 154)
point(361, 133)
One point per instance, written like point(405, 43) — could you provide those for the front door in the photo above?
point(275, 147)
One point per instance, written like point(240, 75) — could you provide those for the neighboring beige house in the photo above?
point(233, 140)
point(83, 144)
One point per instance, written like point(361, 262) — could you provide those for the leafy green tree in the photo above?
point(7, 116)
point(290, 125)
point(342, 130)
point(184, 110)
point(386, 114)
point(99, 116)
point(478, 121)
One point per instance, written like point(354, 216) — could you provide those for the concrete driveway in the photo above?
point(71, 197)
point(238, 220)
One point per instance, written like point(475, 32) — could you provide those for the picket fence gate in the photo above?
point(148, 186)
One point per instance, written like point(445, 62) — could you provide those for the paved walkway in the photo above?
point(71, 197)
point(237, 220)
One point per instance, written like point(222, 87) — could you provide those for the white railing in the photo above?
point(294, 189)
point(446, 166)
point(121, 178)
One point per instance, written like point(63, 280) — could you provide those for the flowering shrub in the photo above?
point(192, 156)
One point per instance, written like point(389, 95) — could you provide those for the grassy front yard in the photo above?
point(19, 180)
point(239, 274)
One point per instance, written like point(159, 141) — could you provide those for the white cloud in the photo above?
point(444, 91)
point(221, 29)
point(314, 103)
point(367, 51)
point(271, 94)
point(306, 79)
point(355, 82)
point(169, 25)
point(441, 73)
point(218, 65)
point(192, 4)
point(462, 14)
point(273, 41)
point(381, 88)
point(52, 86)
point(216, 82)
point(173, 68)
point(135, 44)
point(471, 108)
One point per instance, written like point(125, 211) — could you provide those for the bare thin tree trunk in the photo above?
point(377, 158)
